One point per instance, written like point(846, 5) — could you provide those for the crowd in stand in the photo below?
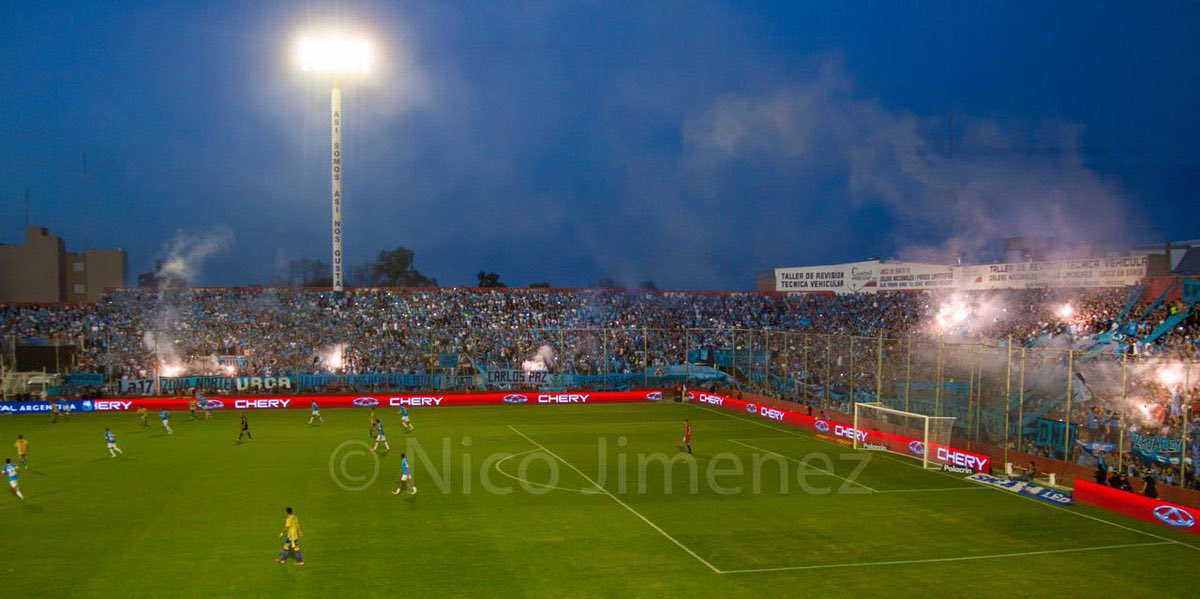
point(280, 330)
point(133, 333)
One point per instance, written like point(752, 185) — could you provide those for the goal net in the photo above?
point(881, 428)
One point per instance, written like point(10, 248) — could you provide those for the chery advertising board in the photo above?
point(381, 400)
point(1134, 505)
point(942, 454)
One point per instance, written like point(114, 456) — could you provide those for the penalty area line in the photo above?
point(1006, 493)
point(619, 502)
point(937, 560)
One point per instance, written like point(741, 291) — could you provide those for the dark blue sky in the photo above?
point(693, 144)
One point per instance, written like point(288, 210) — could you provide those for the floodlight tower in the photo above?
point(337, 55)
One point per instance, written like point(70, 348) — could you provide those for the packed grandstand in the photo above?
point(1116, 364)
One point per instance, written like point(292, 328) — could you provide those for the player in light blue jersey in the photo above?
point(10, 470)
point(205, 406)
point(111, 440)
point(404, 419)
point(380, 438)
point(405, 477)
point(316, 413)
point(166, 420)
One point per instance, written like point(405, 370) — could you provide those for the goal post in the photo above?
point(880, 428)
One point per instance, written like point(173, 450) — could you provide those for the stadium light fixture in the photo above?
point(334, 54)
point(338, 55)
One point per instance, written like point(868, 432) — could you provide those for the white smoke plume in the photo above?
point(186, 253)
point(984, 180)
point(541, 361)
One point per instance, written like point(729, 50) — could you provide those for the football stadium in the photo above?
point(1004, 404)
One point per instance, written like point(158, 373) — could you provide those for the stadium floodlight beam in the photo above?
point(337, 55)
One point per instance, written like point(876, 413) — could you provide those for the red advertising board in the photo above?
point(382, 400)
point(942, 454)
point(1163, 513)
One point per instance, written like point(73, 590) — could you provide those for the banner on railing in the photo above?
point(235, 361)
point(448, 360)
point(387, 379)
point(172, 385)
point(1160, 450)
point(84, 379)
point(1050, 434)
point(522, 378)
point(1191, 291)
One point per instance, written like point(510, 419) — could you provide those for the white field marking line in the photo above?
point(531, 483)
point(1018, 496)
point(621, 503)
point(932, 490)
point(805, 464)
point(1044, 504)
point(945, 559)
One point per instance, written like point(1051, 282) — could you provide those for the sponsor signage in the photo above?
point(563, 397)
point(841, 432)
point(910, 276)
point(873, 276)
point(335, 401)
point(1028, 489)
point(771, 413)
point(1136, 505)
point(853, 277)
point(956, 469)
point(44, 407)
point(1120, 271)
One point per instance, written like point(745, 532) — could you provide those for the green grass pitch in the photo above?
point(197, 514)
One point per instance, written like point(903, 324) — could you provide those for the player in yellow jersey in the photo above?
point(291, 538)
point(371, 417)
point(22, 446)
point(56, 411)
point(143, 415)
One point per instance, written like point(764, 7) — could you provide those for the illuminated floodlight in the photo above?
point(334, 53)
point(339, 55)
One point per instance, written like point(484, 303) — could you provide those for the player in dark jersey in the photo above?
point(687, 435)
point(245, 429)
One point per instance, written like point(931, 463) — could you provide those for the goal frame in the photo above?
point(926, 463)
